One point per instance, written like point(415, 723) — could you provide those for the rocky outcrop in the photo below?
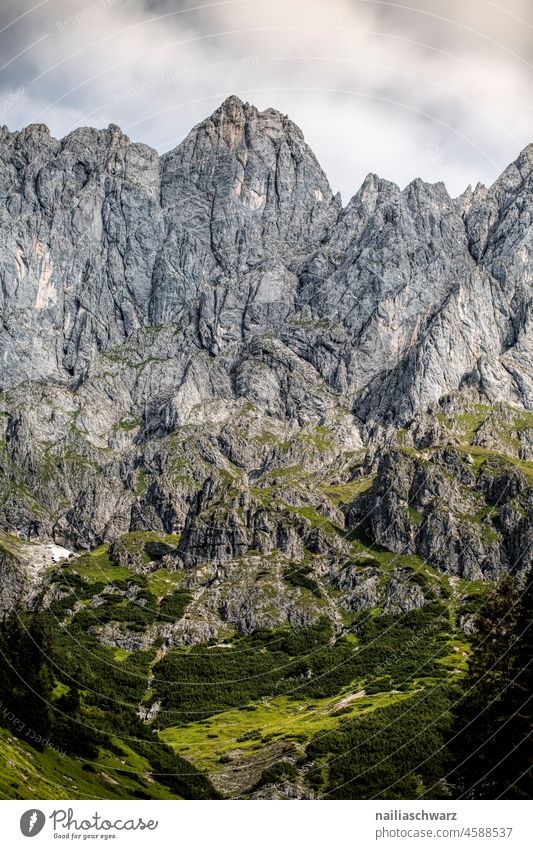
point(22, 566)
point(207, 344)
point(462, 519)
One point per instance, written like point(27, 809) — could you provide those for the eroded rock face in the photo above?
point(22, 565)
point(236, 232)
point(80, 224)
point(434, 510)
point(179, 331)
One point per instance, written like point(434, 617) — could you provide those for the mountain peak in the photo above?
point(230, 103)
point(525, 159)
point(257, 179)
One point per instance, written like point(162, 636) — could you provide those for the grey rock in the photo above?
point(401, 596)
point(413, 508)
point(177, 332)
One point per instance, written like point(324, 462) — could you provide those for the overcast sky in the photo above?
point(434, 88)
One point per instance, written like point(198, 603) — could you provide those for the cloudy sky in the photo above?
point(434, 88)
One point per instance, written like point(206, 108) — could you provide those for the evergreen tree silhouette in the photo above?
point(26, 679)
point(491, 747)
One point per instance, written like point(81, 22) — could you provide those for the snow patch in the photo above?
point(58, 553)
point(42, 555)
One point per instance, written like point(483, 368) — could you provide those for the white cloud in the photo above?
point(441, 92)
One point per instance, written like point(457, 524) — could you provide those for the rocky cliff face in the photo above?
point(207, 344)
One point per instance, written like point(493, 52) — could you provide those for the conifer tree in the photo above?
point(26, 679)
point(490, 745)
